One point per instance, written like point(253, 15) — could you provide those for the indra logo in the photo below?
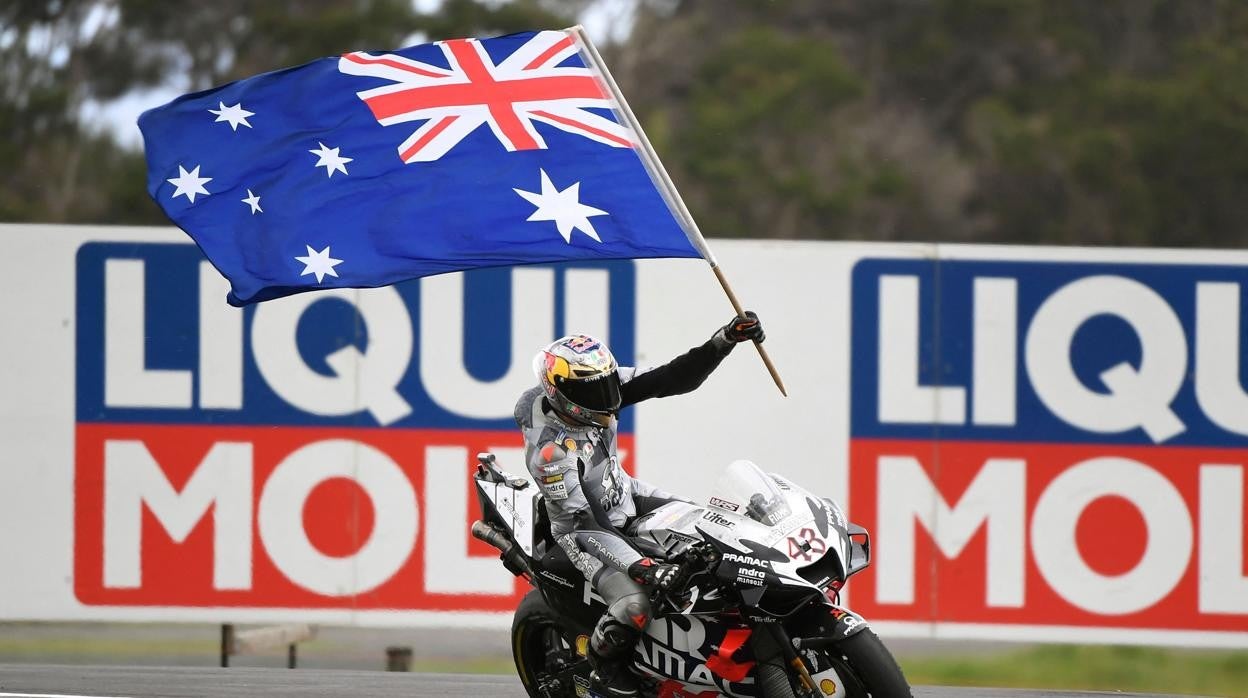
point(1051, 444)
point(313, 451)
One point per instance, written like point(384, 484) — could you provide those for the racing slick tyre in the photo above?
point(773, 680)
point(871, 666)
point(862, 662)
point(542, 654)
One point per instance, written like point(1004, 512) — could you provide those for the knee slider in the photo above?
point(632, 610)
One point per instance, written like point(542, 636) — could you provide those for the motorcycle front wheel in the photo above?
point(864, 665)
point(867, 668)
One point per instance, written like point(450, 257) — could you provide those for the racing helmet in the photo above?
point(578, 374)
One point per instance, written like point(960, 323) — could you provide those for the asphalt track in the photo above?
point(60, 681)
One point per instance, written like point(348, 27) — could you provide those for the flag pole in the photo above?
point(663, 182)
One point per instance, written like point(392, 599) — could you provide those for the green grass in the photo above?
point(465, 666)
point(1073, 667)
point(1094, 668)
point(53, 648)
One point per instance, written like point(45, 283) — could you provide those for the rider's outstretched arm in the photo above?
point(689, 370)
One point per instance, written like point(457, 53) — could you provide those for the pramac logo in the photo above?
point(312, 451)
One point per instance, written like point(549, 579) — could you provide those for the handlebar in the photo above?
point(697, 559)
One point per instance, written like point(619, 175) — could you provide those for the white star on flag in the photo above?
point(235, 115)
point(254, 202)
point(562, 207)
point(330, 160)
point(188, 183)
point(319, 263)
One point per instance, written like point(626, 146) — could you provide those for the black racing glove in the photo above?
point(744, 327)
point(658, 575)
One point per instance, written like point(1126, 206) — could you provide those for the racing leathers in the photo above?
point(590, 499)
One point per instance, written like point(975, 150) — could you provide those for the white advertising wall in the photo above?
point(1045, 443)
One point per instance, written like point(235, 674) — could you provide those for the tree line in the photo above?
point(1121, 122)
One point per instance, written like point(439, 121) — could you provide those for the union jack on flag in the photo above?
point(529, 85)
point(370, 168)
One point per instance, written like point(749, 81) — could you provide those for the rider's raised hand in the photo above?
point(655, 574)
point(744, 327)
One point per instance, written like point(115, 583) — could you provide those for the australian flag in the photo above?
point(371, 168)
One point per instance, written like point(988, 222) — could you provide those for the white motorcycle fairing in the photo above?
point(766, 523)
point(772, 534)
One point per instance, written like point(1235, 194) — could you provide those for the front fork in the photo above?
point(772, 641)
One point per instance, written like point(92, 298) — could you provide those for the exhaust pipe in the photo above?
point(512, 558)
point(485, 532)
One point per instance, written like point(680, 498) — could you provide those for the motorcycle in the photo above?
point(764, 562)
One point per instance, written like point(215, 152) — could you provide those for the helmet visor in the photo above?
point(600, 393)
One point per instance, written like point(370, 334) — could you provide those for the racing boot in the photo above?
point(610, 649)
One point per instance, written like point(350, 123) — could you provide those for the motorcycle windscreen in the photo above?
point(745, 489)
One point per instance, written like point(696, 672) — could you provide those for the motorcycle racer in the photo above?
point(570, 424)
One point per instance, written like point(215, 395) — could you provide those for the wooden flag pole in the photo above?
point(663, 182)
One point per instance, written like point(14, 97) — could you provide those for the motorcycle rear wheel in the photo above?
point(537, 644)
